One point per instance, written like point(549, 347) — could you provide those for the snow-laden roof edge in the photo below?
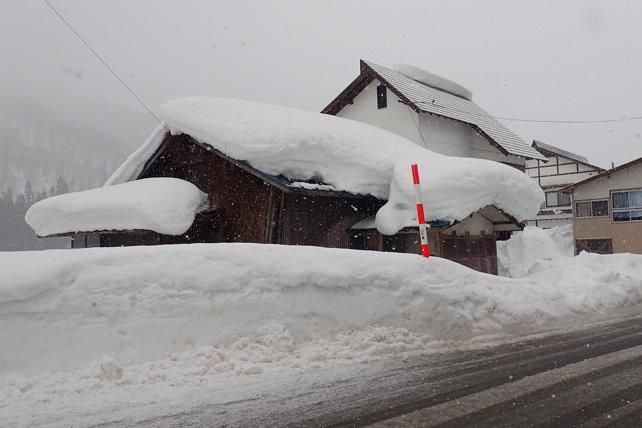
point(164, 205)
point(350, 156)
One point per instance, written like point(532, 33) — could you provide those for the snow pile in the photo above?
point(138, 304)
point(101, 328)
point(433, 80)
point(347, 155)
point(164, 205)
point(535, 249)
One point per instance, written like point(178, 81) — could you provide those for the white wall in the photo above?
point(439, 134)
point(475, 224)
point(397, 117)
point(600, 188)
point(568, 171)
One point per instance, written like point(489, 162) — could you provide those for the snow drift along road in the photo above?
point(64, 309)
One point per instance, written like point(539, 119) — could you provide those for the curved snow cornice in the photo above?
point(348, 155)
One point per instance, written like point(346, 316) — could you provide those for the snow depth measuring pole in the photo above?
point(421, 218)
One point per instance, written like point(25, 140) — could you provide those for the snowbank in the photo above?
point(164, 205)
point(534, 249)
point(347, 155)
point(107, 331)
point(433, 80)
point(138, 304)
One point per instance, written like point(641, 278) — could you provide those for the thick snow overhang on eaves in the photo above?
point(427, 99)
point(164, 205)
point(349, 156)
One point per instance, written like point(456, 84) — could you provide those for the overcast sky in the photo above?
point(560, 60)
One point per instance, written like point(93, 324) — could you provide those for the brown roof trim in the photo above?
point(605, 173)
point(348, 94)
point(366, 76)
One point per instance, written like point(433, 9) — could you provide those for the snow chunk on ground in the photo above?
point(535, 249)
point(349, 156)
point(433, 80)
point(164, 205)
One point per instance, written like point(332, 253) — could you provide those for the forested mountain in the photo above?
point(40, 145)
point(44, 152)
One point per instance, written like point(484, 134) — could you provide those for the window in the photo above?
point(600, 246)
point(592, 208)
point(557, 199)
point(382, 97)
point(627, 205)
point(564, 198)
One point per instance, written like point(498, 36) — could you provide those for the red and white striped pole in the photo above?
point(421, 217)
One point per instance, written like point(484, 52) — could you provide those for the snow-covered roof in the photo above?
point(163, 205)
point(545, 147)
point(443, 99)
point(433, 80)
point(349, 156)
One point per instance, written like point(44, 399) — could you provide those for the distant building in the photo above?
point(430, 111)
point(607, 214)
point(560, 169)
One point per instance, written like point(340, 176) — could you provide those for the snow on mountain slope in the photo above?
point(40, 145)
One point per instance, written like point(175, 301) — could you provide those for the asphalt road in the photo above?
point(588, 378)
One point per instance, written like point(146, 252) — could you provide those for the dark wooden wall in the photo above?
point(478, 252)
point(324, 220)
point(240, 200)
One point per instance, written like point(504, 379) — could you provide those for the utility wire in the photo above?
point(514, 119)
point(416, 126)
point(111, 70)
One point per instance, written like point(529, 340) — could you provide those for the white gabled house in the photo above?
point(430, 111)
point(561, 169)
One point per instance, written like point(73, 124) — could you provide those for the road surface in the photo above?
point(588, 378)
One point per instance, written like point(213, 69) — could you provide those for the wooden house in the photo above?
point(247, 205)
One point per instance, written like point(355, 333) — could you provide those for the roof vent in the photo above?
point(434, 81)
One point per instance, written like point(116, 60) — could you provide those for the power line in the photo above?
point(417, 126)
point(514, 119)
point(111, 70)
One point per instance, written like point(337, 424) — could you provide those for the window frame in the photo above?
point(591, 202)
point(382, 96)
point(557, 199)
point(628, 210)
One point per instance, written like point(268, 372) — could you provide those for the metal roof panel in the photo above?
point(439, 102)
